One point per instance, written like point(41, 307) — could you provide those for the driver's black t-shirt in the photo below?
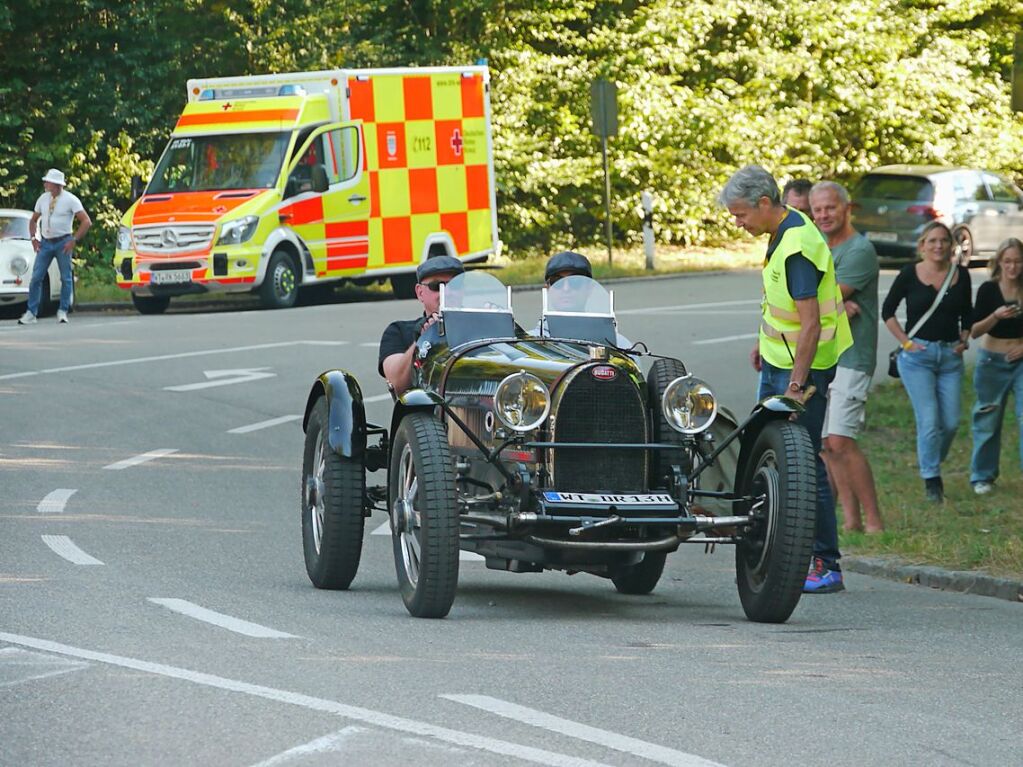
point(397, 338)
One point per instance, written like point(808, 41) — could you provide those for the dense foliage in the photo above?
point(804, 88)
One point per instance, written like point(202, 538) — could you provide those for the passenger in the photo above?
point(803, 331)
point(931, 362)
point(398, 342)
point(796, 194)
point(567, 264)
point(999, 370)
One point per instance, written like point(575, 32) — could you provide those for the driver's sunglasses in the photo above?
point(434, 286)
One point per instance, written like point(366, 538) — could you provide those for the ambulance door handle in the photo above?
point(355, 199)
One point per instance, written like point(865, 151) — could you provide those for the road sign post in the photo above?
point(604, 110)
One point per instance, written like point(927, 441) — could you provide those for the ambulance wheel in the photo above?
point(280, 285)
point(150, 304)
point(403, 285)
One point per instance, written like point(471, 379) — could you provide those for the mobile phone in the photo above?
point(1014, 303)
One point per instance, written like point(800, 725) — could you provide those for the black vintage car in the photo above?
point(552, 450)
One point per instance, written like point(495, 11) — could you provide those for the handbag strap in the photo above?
point(952, 267)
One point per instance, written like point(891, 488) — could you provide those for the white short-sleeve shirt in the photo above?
point(59, 222)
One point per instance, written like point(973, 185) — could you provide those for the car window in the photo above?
point(890, 187)
point(970, 186)
point(1000, 191)
point(13, 228)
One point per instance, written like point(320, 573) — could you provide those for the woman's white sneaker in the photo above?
point(62, 316)
point(27, 319)
point(983, 488)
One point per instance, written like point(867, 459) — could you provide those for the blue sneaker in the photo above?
point(821, 580)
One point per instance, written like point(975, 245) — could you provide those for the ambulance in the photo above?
point(283, 183)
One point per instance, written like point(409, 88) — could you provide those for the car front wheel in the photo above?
point(424, 516)
point(772, 559)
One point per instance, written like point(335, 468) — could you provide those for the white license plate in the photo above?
point(171, 277)
point(608, 499)
point(882, 236)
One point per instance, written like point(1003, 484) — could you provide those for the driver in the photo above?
point(398, 343)
point(561, 296)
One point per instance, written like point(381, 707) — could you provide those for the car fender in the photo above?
point(411, 401)
point(346, 411)
point(769, 409)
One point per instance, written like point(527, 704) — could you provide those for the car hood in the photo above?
point(193, 207)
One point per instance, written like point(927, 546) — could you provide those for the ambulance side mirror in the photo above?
point(138, 186)
point(319, 179)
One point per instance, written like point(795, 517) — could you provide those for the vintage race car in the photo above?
point(552, 450)
point(16, 259)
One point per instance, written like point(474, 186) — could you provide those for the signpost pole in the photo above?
point(604, 110)
point(607, 197)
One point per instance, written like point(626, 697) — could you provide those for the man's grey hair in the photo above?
point(831, 186)
point(749, 184)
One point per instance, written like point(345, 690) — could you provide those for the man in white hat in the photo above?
point(57, 209)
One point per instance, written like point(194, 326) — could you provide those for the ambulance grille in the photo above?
point(602, 412)
point(171, 240)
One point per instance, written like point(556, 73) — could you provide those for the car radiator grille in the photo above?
point(169, 240)
point(600, 412)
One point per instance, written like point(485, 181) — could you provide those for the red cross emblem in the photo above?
point(227, 106)
point(456, 142)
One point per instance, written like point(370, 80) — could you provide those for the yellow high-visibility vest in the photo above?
point(779, 325)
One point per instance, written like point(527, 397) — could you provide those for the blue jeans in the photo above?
point(776, 381)
point(994, 379)
point(933, 377)
point(49, 250)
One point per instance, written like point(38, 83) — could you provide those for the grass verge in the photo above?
point(967, 531)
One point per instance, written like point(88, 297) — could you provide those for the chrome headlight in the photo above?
point(689, 405)
point(123, 238)
point(521, 401)
point(238, 231)
point(18, 266)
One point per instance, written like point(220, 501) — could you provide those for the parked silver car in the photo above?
point(16, 259)
point(893, 203)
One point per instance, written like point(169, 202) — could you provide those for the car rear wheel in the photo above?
point(332, 507)
point(772, 559)
point(150, 304)
point(280, 285)
point(662, 373)
point(642, 577)
point(424, 516)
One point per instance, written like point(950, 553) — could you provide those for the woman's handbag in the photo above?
point(893, 356)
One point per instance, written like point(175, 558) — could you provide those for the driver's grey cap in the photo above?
point(438, 265)
point(567, 261)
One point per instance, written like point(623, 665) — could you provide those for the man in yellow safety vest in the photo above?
point(803, 330)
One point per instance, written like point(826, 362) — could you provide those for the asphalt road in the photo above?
point(154, 606)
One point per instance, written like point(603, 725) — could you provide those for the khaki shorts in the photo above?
point(847, 403)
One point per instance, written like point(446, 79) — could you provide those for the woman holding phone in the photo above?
point(999, 370)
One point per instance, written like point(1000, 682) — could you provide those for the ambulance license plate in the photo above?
point(610, 499)
point(171, 277)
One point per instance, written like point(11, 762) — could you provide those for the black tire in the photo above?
point(403, 285)
point(424, 522)
point(47, 306)
point(772, 560)
point(280, 284)
point(964, 238)
point(642, 577)
point(662, 373)
point(150, 304)
point(333, 488)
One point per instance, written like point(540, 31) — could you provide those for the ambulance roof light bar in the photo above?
point(254, 92)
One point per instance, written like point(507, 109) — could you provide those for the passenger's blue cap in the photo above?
point(438, 265)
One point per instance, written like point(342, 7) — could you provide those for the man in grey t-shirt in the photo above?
point(856, 271)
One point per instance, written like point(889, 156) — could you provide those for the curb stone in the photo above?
point(965, 581)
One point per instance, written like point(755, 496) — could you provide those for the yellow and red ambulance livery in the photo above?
point(276, 183)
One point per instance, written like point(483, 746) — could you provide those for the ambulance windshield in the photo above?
point(207, 163)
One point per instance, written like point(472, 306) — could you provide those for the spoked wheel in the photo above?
point(332, 504)
point(280, 285)
point(663, 372)
point(641, 577)
point(424, 516)
point(771, 561)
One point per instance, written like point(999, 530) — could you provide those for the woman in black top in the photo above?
point(931, 362)
point(999, 362)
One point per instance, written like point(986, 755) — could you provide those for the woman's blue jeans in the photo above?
point(933, 377)
point(994, 379)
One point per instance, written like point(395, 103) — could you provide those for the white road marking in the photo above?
point(371, 344)
point(63, 546)
point(265, 424)
point(17, 666)
point(326, 343)
point(162, 357)
point(741, 337)
point(384, 529)
point(55, 501)
point(359, 714)
point(623, 743)
point(224, 378)
point(673, 308)
point(152, 455)
point(464, 556)
point(326, 745)
point(228, 622)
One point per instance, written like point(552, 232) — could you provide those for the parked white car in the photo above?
point(16, 259)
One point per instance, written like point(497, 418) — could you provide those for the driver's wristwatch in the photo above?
point(793, 386)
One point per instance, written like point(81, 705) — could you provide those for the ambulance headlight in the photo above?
point(521, 401)
point(689, 405)
point(18, 266)
point(238, 231)
point(123, 238)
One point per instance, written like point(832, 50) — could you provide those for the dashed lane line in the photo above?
point(152, 455)
point(723, 339)
point(673, 308)
point(228, 622)
point(55, 501)
point(265, 424)
point(64, 547)
point(328, 744)
point(613, 740)
point(356, 713)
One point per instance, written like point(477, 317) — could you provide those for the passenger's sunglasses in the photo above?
point(434, 286)
point(555, 280)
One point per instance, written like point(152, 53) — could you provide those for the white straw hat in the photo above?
point(54, 176)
